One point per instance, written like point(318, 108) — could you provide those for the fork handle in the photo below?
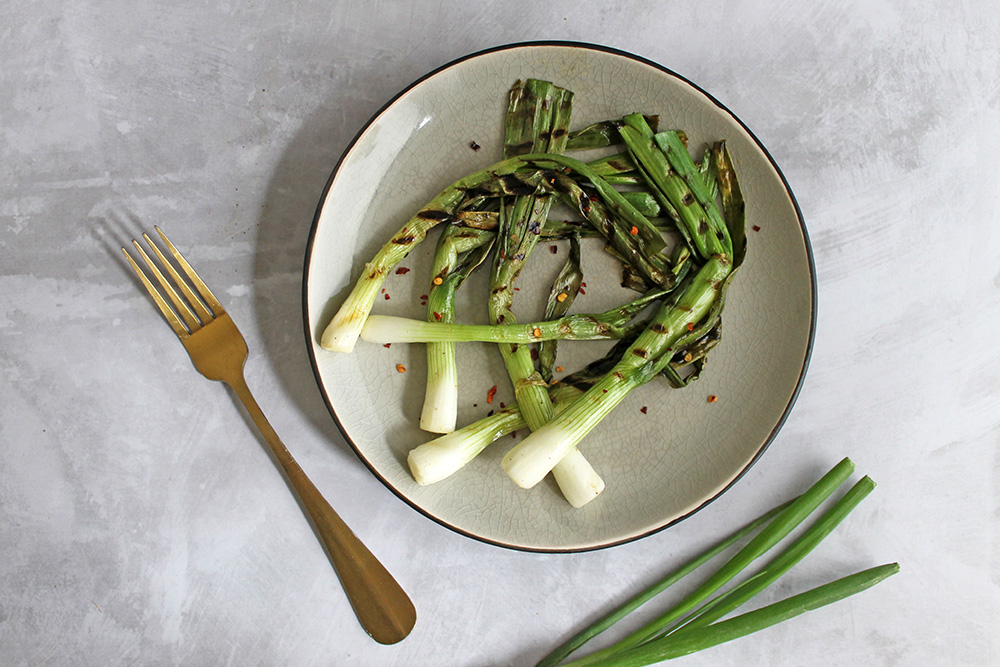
point(382, 606)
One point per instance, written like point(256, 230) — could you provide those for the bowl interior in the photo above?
point(659, 465)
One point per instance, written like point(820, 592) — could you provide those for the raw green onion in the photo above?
point(608, 325)
point(693, 624)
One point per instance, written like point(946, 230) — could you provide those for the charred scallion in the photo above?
point(537, 120)
point(459, 251)
point(611, 324)
point(561, 298)
point(341, 334)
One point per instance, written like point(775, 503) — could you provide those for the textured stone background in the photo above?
point(140, 522)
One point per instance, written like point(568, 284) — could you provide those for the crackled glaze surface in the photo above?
point(659, 465)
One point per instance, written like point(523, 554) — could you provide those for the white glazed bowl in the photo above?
point(660, 466)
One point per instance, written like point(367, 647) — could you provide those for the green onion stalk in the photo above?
point(733, 204)
point(694, 623)
point(561, 297)
point(698, 639)
point(459, 251)
point(537, 120)
point(783, 524)
point(536, 111)
point(557, 655)
point(780, 564)
point(611, 324)
point(643, 201)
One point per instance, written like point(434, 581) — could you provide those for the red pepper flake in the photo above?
point(383, 290)
point(756, 228)
point(402, 271)
point(423, 303)
point(583, 291)
point(534, 354)
point(386, 297)
point(713, 398)
point(502, 406)
point(583, 284)
point(490, 413)
point(517, 289)
point(634, 230)
point(605, 390)
point(553, 249)
point(438, 316)
point(643, 409)
point(387, 345)
point(491, 393)
point(514, 435)
point(400, 368)
point(474, 146)
point(690, 326)
point(423, 297)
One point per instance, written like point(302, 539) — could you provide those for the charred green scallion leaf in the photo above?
point(601, 135)
point(561, 297)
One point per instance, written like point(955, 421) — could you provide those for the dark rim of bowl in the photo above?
point(310, 341)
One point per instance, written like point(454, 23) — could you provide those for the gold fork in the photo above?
point(219, 352)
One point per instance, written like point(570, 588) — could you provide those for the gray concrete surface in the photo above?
point(141, 521)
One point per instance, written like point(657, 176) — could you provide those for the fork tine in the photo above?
point(199, 284)
point(182, 308)
point(169, 314)
point(203, 314)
